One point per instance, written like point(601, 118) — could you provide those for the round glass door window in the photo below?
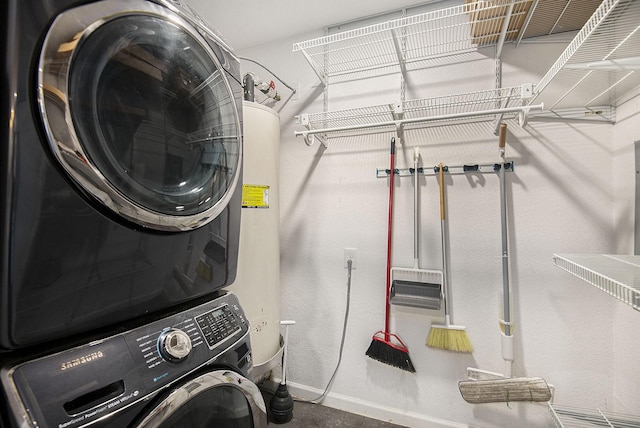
point(221, 399)
point(140, 113)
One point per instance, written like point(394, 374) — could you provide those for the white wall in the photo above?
point(561, 200)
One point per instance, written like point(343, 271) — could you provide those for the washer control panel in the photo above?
point(218, 325)
point(167, 348)
point(77, 386)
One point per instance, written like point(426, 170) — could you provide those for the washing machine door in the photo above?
point(221, 399)
point(140, 112)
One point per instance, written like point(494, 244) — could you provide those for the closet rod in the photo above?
point(400, 122)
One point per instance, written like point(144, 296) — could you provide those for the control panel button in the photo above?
point(218, 325)
point(174, 345)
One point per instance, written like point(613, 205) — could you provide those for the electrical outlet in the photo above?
point(350, 254)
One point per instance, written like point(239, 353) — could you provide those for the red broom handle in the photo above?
point(389, 234)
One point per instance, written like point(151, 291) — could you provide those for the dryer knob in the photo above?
point(174, 345)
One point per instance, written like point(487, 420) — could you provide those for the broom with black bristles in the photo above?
point(387, 347)
point(448, 336)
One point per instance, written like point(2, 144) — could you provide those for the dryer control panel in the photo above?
point(75, 387)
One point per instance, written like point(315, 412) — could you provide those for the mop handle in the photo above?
point(392, 174)
point(506, 306)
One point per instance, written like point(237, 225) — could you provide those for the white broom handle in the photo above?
point(286, 324)
point(416, 156)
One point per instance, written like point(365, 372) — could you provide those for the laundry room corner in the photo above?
point(372, 213)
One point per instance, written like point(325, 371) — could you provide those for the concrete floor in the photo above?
point(308, 415)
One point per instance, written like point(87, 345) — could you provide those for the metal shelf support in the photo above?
point(503, 31)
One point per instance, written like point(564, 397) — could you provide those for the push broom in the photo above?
point(484, 386)
point(449, 337)
point(387, 347)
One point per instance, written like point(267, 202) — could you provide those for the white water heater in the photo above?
point(257, 283)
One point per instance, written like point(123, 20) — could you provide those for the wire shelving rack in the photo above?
point(495, 104)
point(398, 43)
point(568, 417)
point(616, 275)
point(601, 65)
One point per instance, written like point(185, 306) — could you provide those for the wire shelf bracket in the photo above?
point(595, 114)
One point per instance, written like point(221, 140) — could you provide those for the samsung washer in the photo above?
point(190, 369)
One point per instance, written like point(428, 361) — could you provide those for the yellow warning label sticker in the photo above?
point(255, 196)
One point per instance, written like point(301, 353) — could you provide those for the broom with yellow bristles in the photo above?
point(449, 337)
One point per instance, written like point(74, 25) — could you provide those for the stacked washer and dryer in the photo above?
point(120, 198)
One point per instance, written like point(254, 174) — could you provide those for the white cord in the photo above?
point(321, 398)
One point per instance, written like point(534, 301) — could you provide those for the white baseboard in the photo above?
point(369, 409)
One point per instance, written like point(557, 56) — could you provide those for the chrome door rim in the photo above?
point(64, 141)
point(177, 398)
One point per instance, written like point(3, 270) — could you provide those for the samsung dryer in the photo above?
point(120, 165)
